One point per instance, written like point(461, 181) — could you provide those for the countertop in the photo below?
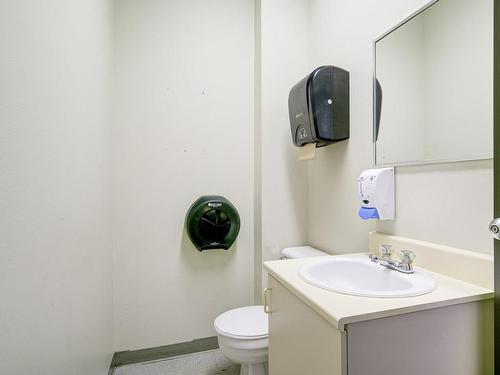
point(341, 309)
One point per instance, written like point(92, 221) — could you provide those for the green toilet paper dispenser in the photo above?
point(212, 222)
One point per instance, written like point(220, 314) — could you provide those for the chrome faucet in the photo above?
point(404, 265)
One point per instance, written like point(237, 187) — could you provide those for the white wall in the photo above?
point(285, 52)
point(55, 244)
point(448, 204)
point(183, 127)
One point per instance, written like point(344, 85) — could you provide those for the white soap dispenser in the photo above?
point(376, 192)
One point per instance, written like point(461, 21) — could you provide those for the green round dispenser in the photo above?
point(212, 222)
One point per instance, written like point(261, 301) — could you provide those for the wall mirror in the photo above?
point(433, 85)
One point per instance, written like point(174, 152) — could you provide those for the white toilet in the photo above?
point(243, 332)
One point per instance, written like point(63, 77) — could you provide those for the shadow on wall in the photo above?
point(326, 169)
point(205, 261)
point(298, 185)
point(335, 226)
point(336, 152)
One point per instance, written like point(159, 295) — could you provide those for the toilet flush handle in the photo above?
point(267, 298)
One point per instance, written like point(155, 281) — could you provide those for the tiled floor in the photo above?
point(205, 363)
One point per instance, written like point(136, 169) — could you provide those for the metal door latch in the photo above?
point(495, 228)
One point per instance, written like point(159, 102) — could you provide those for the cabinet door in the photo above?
point(300, 340)
point(454, 340)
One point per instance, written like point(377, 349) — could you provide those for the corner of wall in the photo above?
point(257, 172)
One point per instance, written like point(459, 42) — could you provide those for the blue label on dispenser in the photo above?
point(368, 213)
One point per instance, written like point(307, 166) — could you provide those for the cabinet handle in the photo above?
point(267, 295)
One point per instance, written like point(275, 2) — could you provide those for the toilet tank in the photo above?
point(301, 252)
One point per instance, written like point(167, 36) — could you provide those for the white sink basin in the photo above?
point(359, 276)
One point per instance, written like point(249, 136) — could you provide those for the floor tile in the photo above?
point(205, 363)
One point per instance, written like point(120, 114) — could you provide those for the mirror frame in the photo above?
point(374, 104)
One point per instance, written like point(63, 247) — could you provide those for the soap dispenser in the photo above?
point(376, 193)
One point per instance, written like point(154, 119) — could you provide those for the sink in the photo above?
point(359, 276)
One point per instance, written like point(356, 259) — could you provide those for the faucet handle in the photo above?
point(385, 252)
point(407, 257)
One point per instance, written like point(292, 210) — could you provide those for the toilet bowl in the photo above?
point(243, 338)
point(243, 332)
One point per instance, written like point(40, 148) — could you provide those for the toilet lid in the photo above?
point(243, 322)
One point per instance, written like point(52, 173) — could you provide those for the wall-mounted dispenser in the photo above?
point(319, 107)
point(212, 222)
point(376, 192)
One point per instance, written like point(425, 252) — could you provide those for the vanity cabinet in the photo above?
point(455, 339)
point(300, 341)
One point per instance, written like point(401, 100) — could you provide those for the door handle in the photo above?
point(267, 295)
point(495, 228)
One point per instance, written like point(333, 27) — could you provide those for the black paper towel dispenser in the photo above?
point(212, 222)
point(319, 107)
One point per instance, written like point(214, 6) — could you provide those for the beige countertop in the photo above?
point(341, 309)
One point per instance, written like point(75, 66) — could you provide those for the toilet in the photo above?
point(242, 333)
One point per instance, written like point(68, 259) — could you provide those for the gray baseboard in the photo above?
point(129, 357)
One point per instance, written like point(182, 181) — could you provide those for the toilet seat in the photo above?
point(248, 322)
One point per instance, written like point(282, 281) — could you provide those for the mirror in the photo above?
point(433, 85)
